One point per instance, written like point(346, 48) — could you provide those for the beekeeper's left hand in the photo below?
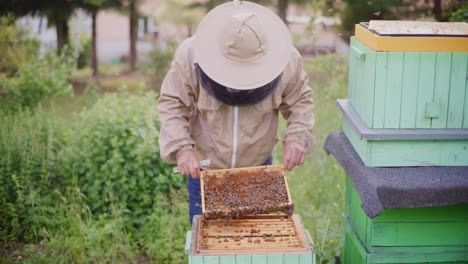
point(293, 154)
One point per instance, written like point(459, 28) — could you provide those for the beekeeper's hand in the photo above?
point(293, 154)
point(188, 163)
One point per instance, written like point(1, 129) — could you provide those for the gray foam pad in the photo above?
point(398, 187)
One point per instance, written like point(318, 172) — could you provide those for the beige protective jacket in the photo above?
point(230, 136)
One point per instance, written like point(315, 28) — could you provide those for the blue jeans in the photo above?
point(195, 204)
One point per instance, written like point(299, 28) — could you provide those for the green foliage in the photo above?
point(357, 11)
point(35, 81)
point(29, 173)
point(317, 187)
point(460, 15)
point(16, 46)
point(114, 152)
point(159, 62)
point(84, 52)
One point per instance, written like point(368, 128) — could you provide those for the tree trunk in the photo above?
point(62, 34)
point(133, 35)
point(437, 10)
point(94, 59)
point(282, 10)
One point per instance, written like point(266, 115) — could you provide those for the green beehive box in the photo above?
point(409, 88)
point(404, 147)
point(406, 235)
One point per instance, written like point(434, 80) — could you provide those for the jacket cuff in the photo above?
point(304, 138)
point(185, 147)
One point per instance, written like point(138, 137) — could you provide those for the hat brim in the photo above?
point(237, 74)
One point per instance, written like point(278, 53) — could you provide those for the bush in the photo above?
point(159, 62)
point(35, 81)
point(357, 11)
point(460, 15)
point(84, 51)
point(16, 46)
point(29, 174)
point(114, 153)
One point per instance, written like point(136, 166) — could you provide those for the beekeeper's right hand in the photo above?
point(188, 163)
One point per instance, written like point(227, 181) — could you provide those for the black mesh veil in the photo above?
point(233, 96)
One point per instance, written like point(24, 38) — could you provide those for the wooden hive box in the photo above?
point(404, 79)
point(389, 147)
point(229, 232)
point(407, 235)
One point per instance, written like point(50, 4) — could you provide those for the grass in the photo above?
point(317, 190)
point(111, 78)
point(317, 187)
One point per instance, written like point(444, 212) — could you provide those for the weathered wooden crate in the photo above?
point(404, 147)
point(407, 235)
point(418, 89)
point(234, 227)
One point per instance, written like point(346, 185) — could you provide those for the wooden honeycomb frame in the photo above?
point(258, 172)
point(249, 235)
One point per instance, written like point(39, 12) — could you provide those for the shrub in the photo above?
point(29, 173)
point(16, 46)
point(159, 62)
point(460, 15)
point(36, 80)
point(114, 153)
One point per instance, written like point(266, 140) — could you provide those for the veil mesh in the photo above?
point(235, 97)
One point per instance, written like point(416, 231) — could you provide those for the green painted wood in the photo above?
point(419, 153)
point(368, 87)
point(355, 252)
point(393, 90)
point(380, 87)
point(305, 259)
point(363, 80)
point(457, 213)
point(188, 242)
point(425, 88)
point(441, 88)
point(291, 258)
point(409, 93)
point(361, 146)
point(465, 112)
point(259, 259)
point(244, 259)
point(196, 260)
point(417, 258)
point(275, 259)
point(210, 259)
point(420, 234)
point(457, 90)
point(231, 259)
point(420, 250)
point(396, 153)
point(352, 73)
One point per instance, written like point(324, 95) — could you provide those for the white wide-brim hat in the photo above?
point(242, 45)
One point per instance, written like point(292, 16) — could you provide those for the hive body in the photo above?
point(406, 235)
point(408, 106)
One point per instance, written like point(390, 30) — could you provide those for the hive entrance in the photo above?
point(262, 234)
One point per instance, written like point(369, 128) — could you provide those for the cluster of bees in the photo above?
point(235, 195)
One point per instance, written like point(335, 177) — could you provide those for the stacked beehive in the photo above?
point(408, 106)
point(235, 226)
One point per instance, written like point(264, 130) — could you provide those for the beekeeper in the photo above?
point(221, 98)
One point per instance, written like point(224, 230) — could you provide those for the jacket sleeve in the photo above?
point(297, 105)
point(175, 106)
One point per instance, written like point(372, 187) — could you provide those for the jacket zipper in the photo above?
point(234, 136)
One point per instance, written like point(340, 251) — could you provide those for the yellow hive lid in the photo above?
point(414, 36)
